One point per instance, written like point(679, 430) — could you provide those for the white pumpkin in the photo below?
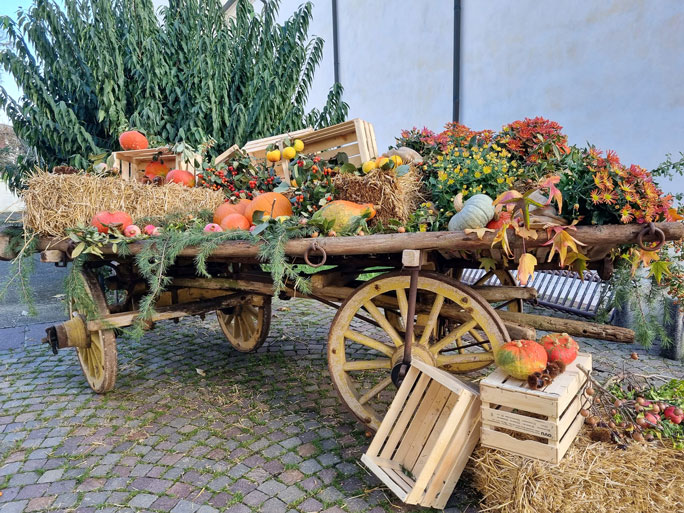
point(475, 213)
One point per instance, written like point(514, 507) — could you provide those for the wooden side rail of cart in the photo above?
point(456, 327)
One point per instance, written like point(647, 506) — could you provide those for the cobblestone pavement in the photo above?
point(194, 426)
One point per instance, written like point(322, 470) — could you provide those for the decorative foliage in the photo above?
point(186, 74)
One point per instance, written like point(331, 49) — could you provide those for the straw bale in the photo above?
point(56, 202)
point(394, 197)
point(593, 477)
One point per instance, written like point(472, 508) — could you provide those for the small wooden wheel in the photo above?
point(246, 326)
point(459, 333)
point(98, 360)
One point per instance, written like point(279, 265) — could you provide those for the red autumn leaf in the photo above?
point(550, 184)
point(561, 242)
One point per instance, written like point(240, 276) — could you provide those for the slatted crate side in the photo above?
point(512, 413)
point(426, 437)
point(131, 164)
point(257, 147)
point(550, 451)
point(551, 401)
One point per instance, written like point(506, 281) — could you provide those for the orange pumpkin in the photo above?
point(103, 220)
point(234, 222)
point(156, 168)
point(133, 140)
point(224, 209)
point(181, 176)
point(242, 205)
point(272, 204)
point(520, 358)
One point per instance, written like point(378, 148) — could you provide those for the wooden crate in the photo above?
point(540, 424)
point(131, 164)
point(427, 436)
point(355, 137)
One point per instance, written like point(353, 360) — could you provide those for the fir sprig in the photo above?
point(24, 243)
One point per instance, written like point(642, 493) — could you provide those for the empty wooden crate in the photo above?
point(427, 436)
point(539, 424)
point(131, 164)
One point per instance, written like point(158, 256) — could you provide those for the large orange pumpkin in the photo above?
point(234, 222)
point(103, 220)
point(133, 140)
point(242, 205)
point(181, 176)
point(520, 358)
point(272, 204)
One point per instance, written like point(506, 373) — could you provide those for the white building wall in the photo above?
point(610, 72)
point(395, 61)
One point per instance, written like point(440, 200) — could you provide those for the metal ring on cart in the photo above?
point(315, 247)
point(651, 230)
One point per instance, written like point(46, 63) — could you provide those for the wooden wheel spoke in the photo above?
point(402, 300)
point(361, 365)
point(383, 322)
point(453, 336)
point(375, 390)
point(444, 360)
point(431, 322)
point(369, 342)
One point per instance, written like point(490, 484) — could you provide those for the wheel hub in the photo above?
point(417, 353)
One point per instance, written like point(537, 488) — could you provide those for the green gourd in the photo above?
point(474, 213)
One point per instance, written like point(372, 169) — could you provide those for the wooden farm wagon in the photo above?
point(452, 326)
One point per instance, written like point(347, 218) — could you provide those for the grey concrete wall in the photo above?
point(610, 72)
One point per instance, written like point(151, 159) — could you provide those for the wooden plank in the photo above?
point(421, 425)
point(472, 438)
point(568, 438)
point(493, 417)
point(506, 293)
point(461, 419)
point(437, 429)
point(529, 448)
point(398, 490)
point(396, 243)
point(351, 150)
point(227, 154)
point(448, 380)
point(405, 416)
point(395, 409)
point(123, 319)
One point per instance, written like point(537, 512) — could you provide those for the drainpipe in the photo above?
point(457, 61)
point(336, 54)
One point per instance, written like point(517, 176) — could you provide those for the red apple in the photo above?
point(132, 230)
point(213, 227)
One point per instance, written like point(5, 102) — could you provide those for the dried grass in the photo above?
point(394, 197)
point(593, 477)
point(57, 202)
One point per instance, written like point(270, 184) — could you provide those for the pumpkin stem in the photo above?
point(458, 202)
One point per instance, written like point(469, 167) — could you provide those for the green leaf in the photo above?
point(259, 228)
point(78, 250)
point(488, 264)
point(658, 269)
point(403, 169)
point(348, 168)
point(283, 187)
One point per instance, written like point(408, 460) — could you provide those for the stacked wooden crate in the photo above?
point(539, 424)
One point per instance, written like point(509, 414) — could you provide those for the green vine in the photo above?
point(23, 244)
point(644, 299)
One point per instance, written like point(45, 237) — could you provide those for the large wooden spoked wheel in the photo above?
point(98, 359)
point(246, 326)
point(459, 335)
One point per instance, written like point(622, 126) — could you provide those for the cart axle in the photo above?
point(71, 333)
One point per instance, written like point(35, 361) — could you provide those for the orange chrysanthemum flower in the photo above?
point(608, 197)
point(596, 196)
point(626, 214)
